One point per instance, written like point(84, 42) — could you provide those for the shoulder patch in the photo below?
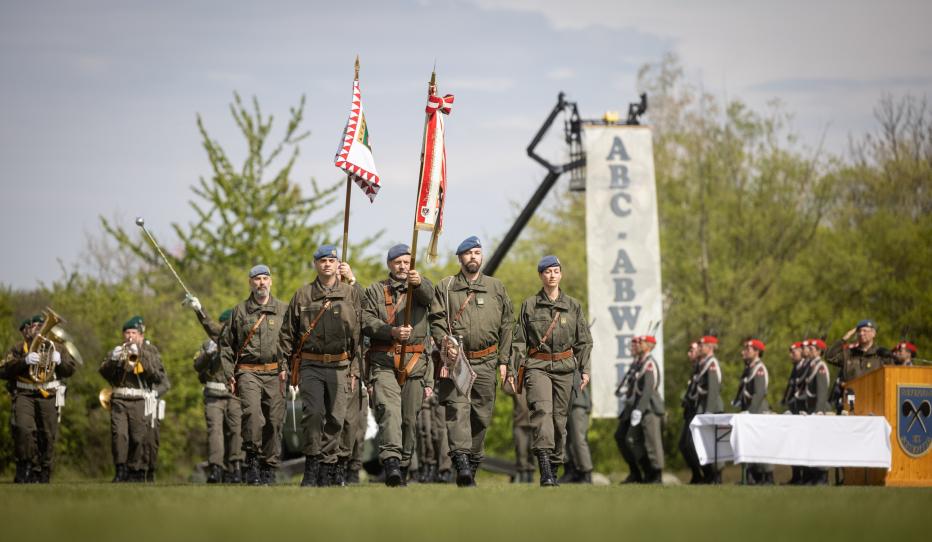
point(822, 370)
point(760, 371)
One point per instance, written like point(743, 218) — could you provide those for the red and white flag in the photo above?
point(355, 155)
point(433, 187)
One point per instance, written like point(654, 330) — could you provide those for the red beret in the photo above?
point(797, 344)
point(759, 345)
point(818, 343)
point(708, 339)
point(649, 339)
point(907, 345)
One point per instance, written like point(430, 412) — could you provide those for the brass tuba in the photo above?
point(104, 397)
point(44, 345)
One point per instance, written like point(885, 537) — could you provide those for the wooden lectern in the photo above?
point(903, 395)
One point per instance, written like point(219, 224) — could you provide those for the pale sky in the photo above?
point(98, 98)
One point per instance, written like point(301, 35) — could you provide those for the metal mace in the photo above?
point(142, 224)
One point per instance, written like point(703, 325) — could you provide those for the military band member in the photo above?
point(257, 374)
point(708, 392)
point(904, 352)
point(133, 369)
point(38, 396)
point(551, 342)
point(690, 399)
point(399, 385)
point(752, 398)
point(222, 409)
point(645, 436)
point(322, 327)
point(625, 391)
point(816, 394)
point(476, 309)
point(153, 435)
point(522, 433)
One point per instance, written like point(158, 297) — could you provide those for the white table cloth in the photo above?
point(814, 441)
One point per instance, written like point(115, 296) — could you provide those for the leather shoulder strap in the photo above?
point(249, 336)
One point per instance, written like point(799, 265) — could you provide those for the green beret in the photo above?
point(135, 323)
point(25, 323)
point(226, 315)
point(38, 318)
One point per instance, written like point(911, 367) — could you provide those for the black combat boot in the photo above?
point(251, 476)
point(463, 470)
point(214, 474)
point(323, 474)
point(634, 477)
point(45, 475)
point(711, 475)
point(767, 479)
point(266, 474)
point(22, 473)
point(796, 478)
point(150, 475)
point(444, 477)
point(404, 476)
point(311, 469)
point(339, 474)
point(584, 478)
point(474, 469)
point(234, 475)
point(352, 476)
point(136, 476)
point(121, 474)
point(34, 476)
point(569, 474)
point(696, 477)
point(392, 472)
point(546, 474)
point(818, 477)
point(653, 476)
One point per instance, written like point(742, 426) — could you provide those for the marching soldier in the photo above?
point(645, 436)
point(400, 385)
point(425, 451)
point(153, 435)
point(815, 387)
point(552, 343)
point(523, 433)
point(133, 369)
point(353, 434)
point(38, 396)
point(471, 316)
point(752, 398)
point(904, 352)
point(439, 435)
point(625, 391)
point(708, 394)
point(690, 404)
point(578, 456)
point(257, 374)
point(222, 409)
point(321, 335)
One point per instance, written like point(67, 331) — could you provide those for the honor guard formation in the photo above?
point(427, 358)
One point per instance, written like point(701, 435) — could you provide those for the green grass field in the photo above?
point(493, 511)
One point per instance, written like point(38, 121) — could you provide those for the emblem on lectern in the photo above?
point(914, 419)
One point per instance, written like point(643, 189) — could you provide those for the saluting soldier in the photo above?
point(551, 342)
point(400, 385)
point(134, 370)
point(861, 357)
point(645, 436)
point(708, 392)
point(904, 352)
point(690, 404)
point(222, 409)
point(625, 391)
point(471, 314)
point(37, 400)
point(816, 393)
point(322, 331)
point(257, 374)
point(752, 398)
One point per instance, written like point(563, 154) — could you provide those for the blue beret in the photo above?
point(325, 251)
point(260, 269)
point(547, 261)
point(469, 243)
point(866, 323)
point(135, 323)
point(226, 315)
point(398, 250)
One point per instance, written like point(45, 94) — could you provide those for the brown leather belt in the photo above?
point(396, 348)
point(257, 367)
point(549, 357)
point(482, 353)
point(325, 358)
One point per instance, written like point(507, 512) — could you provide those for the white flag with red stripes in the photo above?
point(355, 154)
point(433, 188)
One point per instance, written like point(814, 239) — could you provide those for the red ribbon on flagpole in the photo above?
point(444, 104)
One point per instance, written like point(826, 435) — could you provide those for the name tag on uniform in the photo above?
point(480, 301)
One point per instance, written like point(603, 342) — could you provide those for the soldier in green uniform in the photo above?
point(551, 342)
point(399, 385)
point(578, 466)
point(134, 369)
point(438, 433)
point(522, 433)
point(38, 397)
point(859, 358)
point(322, 331)
point(815, 387)
point(257, 374)
point(752, 398)
point(708, 394)
point(471, 316)
point(153, 435)
point(645, 435)
point(625, 392)
point(353, 435)
point(793, 404)
point(690, 404)
point(222, 409)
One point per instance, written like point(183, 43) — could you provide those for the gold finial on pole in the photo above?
point(356, 77)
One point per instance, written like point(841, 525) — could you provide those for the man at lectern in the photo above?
point(861, 357)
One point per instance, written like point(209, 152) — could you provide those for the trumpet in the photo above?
point(129, 356)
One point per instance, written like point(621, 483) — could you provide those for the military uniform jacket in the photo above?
point(486, 321)
point(15, 368)
point(337, 330)
point(627, 388)
point(376, 325)
point(854, 361)
point(580, 398)
point(691, 396)
point(647, 387)
point(153, 372)
point(789, 395)
point(752, 393)
point(816, 387)
point(211, 328)
point(570, 333)
point(263, 346)
point(210, 372)
point(709, 387)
